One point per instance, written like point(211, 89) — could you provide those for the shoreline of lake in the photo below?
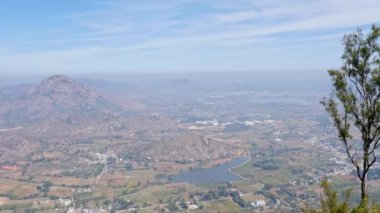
point(213, 175)
point(235, 173)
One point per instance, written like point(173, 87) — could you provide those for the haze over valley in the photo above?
point(142, 138)
point(110, 106)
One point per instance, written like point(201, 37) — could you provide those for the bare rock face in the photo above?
point(62, 92)
point(59, 87)
point(57, 96)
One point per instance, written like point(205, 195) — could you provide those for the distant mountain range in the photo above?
point(56, 96)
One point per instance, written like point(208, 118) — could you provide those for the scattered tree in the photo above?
point(355, 101)
point(172, 206)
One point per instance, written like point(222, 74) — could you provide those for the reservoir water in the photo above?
point(212, 175)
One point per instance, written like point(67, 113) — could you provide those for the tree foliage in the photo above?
point(355, 100)
point(331, 204)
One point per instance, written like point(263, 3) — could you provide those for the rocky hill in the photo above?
point(59, 96)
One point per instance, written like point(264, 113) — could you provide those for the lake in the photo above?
point(212, 175)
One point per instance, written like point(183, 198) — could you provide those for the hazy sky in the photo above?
point(84, 36)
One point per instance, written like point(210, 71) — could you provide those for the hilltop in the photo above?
point(58, 96)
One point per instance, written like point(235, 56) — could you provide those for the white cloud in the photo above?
point(236, 17)
point(260, 19)
point(135, 28)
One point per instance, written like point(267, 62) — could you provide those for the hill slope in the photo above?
point(59, 96)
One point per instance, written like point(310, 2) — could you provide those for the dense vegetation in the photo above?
point(267, 164)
